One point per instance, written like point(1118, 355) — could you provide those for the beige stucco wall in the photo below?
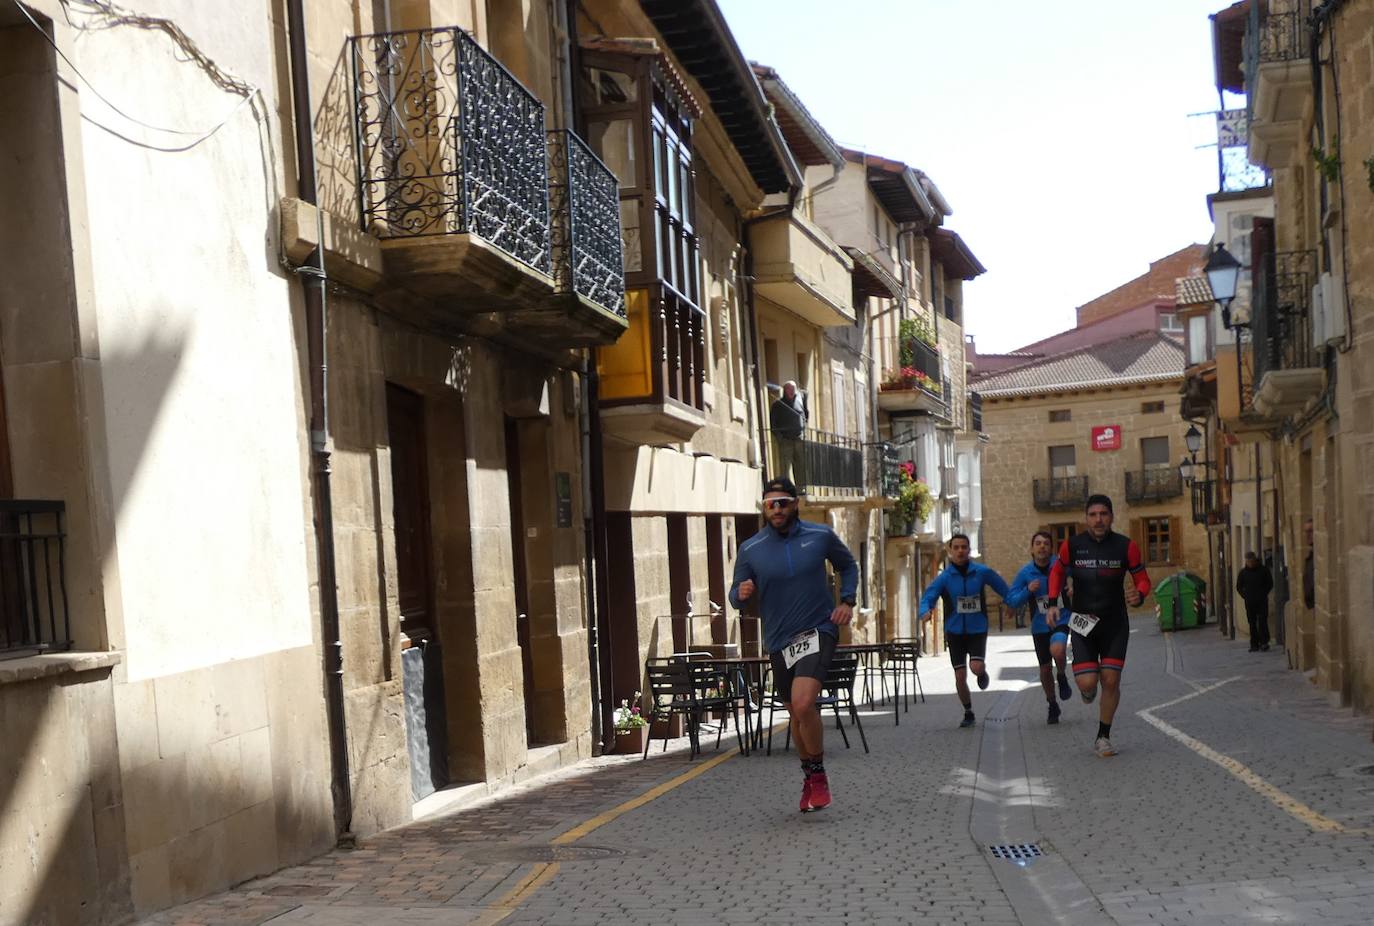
point(1020, 434)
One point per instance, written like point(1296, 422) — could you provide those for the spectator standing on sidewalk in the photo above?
point(1254, 583)
point(962, 587)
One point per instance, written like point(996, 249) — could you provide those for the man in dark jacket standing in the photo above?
point(1254, 583)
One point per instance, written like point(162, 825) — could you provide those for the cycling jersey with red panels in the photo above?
point(1097, 569)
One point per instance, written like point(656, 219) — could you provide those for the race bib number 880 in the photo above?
point(1082, 623)
point(801, 646)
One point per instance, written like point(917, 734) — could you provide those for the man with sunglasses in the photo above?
point(783, 568)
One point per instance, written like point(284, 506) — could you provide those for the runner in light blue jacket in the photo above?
point(1032, 584)
point(962, 587)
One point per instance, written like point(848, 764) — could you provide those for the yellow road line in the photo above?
point(1285, 802)
point(543, 872)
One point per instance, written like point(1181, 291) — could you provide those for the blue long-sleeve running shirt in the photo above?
point(966, 605)
point(1021, 593)
point(791, 586)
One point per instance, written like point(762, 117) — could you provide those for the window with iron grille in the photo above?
point(1151, 408)
point(1061, 414)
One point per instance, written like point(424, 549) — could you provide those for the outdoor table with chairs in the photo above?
point(715, 680)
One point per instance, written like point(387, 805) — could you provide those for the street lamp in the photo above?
point(1193, 439)
point(1223, 276)
point(1185, 469)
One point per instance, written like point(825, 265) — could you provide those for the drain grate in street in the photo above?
point(539, 853)
point(1364, 770)
point(1020, 853)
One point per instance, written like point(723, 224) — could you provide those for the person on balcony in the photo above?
point(1254, 583)
point(787, 419)
point(962, 588)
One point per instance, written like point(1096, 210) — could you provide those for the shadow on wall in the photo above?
point(60, 749)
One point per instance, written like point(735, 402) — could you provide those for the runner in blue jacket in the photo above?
point(1032, 584)
point(782, 567)
point(962, 588)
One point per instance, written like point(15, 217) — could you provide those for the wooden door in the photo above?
point(679, 582)
point(716, 579)
point(405, 412)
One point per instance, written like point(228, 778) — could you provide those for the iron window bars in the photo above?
point(34, 616)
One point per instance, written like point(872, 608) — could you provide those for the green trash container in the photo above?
point(1181, 601)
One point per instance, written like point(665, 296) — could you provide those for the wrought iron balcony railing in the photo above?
point(910, 363)
point(1060, 493)
point(817, 460)
point(1204, 501)
point(33, 578)
point(585, 205)
point(975, 411)
point(448, 142)
point(1272, 37)
point(1153, 485)
point(1280, 321)
point(885, 473)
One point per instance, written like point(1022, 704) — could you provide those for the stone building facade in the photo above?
point(1303, 388)
point(1097, 420)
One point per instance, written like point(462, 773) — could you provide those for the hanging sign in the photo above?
point(1107, 437)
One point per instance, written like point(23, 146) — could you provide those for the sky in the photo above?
point(1059, 131)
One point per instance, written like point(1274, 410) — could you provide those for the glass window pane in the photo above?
point(614, 143)
point(1062, 460)
point(1154, 451)
point(631, 244)
point(609, 88)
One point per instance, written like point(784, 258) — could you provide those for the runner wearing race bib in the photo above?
point(1032, 584)
point(782, 567)
point(961, 587)
point(1095, 565)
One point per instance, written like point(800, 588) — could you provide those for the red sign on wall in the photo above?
point(1107, 437)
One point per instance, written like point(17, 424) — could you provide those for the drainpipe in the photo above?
point(313, 280)
point(601, 644)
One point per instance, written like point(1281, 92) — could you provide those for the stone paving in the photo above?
point(1162, 833)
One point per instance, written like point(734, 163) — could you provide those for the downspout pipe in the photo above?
point(312, 276)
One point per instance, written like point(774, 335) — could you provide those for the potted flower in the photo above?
point(631, 727)
point(913, 503)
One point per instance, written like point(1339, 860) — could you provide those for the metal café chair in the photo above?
point(679, 686)
point(903, 656)
point(837, 692)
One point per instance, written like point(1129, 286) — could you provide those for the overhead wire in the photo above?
point(218, 76)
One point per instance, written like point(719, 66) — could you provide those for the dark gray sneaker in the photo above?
point(968, 720)
point(1065, 692)
point(1054, 713)
point(983, 680)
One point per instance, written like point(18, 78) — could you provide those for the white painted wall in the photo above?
point(202, 397)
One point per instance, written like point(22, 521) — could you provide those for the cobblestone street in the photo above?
point(1240, 795)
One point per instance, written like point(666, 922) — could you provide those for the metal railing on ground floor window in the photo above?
point(33, 584)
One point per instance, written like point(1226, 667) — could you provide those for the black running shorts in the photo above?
point(1042, 643)
point(813, 666)
point(966, 646)
point(1104, 648)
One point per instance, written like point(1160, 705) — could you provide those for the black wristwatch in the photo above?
point(848, 601)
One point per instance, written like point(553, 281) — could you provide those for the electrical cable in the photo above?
point(245, 90)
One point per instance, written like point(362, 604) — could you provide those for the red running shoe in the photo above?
point(820, 791)
point(806, 792)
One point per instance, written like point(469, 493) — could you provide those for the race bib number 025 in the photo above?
point(801, 646)
point(1082, 623)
